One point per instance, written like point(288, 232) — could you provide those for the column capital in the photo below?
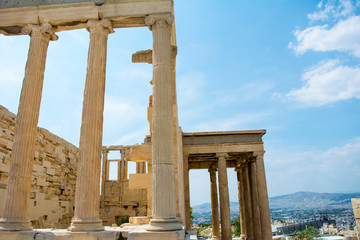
point(212, 168)
point(159, 20)
point(224, 155)
point(103, 26)
point(40, 30)
point(258, 153)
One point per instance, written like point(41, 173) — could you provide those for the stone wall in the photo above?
point(54, 175)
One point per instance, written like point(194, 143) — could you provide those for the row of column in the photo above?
point(86, 216)
point(253, 200)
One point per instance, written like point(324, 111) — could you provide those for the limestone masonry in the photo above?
point(53, 179)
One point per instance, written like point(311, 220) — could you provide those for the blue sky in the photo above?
point(290, 67)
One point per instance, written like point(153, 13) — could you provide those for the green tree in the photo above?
point(191, 215)
point(309, 233)
point(237, 227)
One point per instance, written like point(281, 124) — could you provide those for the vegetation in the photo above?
point(121, 219)
point(310, 233)
point(236, 225)
point(191, 214)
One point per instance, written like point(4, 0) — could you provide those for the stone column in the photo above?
point(241, 203)
point(255, 199)
point(187, 193)
point(245, 183)
point(263, 197)
point(224, 199)
point(163, 177)
point(104, 174)
point(15, 213)
point(214, 205)
point(86, 217)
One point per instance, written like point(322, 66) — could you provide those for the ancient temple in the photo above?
point(156, 197)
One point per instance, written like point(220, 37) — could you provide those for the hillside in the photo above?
point(294, 201)
point(312, 200)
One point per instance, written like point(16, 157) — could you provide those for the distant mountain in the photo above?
point(295, 201)
point(312, 200)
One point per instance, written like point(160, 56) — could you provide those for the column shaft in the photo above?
point(163, 177)
point(263, 198)
point(241, 204)
point(187, 193)
point(255, 201)
point(15, 213)
point(247, 201)
point(214, 206)
point(86, 217)
point(224, 200)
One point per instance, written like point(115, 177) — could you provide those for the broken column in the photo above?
point(86, 217)
point(15, 213)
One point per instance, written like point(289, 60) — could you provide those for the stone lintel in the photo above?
point(145, 56)
point(69, 16)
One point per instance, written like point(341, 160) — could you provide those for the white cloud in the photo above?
point(343, 36)
point(327, 82)
point(330, 9)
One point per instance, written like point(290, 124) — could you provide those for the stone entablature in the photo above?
point(69, 16)
point(53, 179)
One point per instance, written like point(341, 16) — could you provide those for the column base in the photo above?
point(215, 238)
point(170, 224)
point(85, 225)
point(15, 224)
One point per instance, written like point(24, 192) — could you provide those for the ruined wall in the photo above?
point(54, 175)
point(119, 199)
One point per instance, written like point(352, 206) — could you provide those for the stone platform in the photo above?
point(129, 232)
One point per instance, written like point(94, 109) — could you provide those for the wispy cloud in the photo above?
point(329, 9)
point(327, 82)
point(239, 121)
point(334, 169)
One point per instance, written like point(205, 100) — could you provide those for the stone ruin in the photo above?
point(47, 182)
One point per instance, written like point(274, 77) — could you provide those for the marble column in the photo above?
point(263, 197)
point(15, 212)
point(163, 177)
point(255, 199)
point(214, 205)
point(187, 193)
point(86, 217)
point(224, 199)
point(241, 204)
point(245, 183)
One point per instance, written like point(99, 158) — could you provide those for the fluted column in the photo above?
point(214, 205)
point(15, 213)
point(263, 197)
point(86, 217)
point(163, 177)
point(255, 199)
point(224, 199)
point(241, 204)
point(245, 183)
